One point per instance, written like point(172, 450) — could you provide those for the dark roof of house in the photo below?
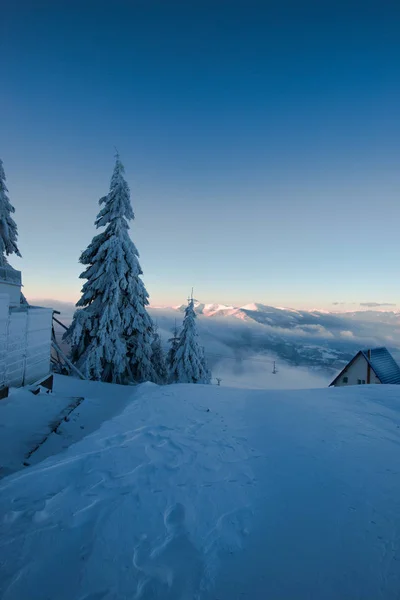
point(381, 362)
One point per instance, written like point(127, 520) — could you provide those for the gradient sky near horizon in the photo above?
point(261, 142)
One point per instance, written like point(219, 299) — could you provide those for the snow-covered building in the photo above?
point(376, 365)
point(25, 335)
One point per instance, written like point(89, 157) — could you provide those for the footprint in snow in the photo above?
point(228, 536)
point(174, 569)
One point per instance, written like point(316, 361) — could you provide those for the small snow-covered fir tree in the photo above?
point(189, 364)
point(173, 346)
point(8, 227)
point(112, 333)
point(158, 360)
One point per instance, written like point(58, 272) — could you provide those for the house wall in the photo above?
point(25, 344)
point(38, 343)
point(16, 347)
point(358, 370)
point(13, 291)
point(10, 284)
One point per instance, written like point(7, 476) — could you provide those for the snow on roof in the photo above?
point(384, 365)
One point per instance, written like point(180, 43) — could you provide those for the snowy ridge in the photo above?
point(254, 306)
point(253, 311)
point(209, 310)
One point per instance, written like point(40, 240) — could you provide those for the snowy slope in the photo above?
point(206, 492)
point(25, 420)
point(33, 427)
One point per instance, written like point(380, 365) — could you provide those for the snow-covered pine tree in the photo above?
point(173, 346)
point(189, 363)
point(207, 371)
point(158, 359)
point(111, 334)
point(8, 227)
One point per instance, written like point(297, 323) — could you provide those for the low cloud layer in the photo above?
point(365, 304)
point(376, 304)
point(343, 303)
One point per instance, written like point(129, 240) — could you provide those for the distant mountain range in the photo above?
point(307, 321)
point(267, 315)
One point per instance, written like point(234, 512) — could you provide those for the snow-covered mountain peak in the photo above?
point(214, 309)
point(252, 306)
point(209, 310)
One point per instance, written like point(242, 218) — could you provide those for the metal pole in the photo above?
point(59, 322)
point(68, 362)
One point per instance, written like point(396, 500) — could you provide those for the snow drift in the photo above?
point(205, 492)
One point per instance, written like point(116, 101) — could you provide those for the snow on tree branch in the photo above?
point(189, 363)
point(8, 227)
point(111, 334)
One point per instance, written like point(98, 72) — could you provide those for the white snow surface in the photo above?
point(192, 491)
point(25, 420)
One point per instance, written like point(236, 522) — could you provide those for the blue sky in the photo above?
point(261, 142)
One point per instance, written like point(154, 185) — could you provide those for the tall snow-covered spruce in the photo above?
point(111, 334)
point(189, 365)
point(8, 227)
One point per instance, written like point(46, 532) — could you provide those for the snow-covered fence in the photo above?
point(25, 343)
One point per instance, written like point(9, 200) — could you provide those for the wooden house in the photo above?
point(376, 365)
